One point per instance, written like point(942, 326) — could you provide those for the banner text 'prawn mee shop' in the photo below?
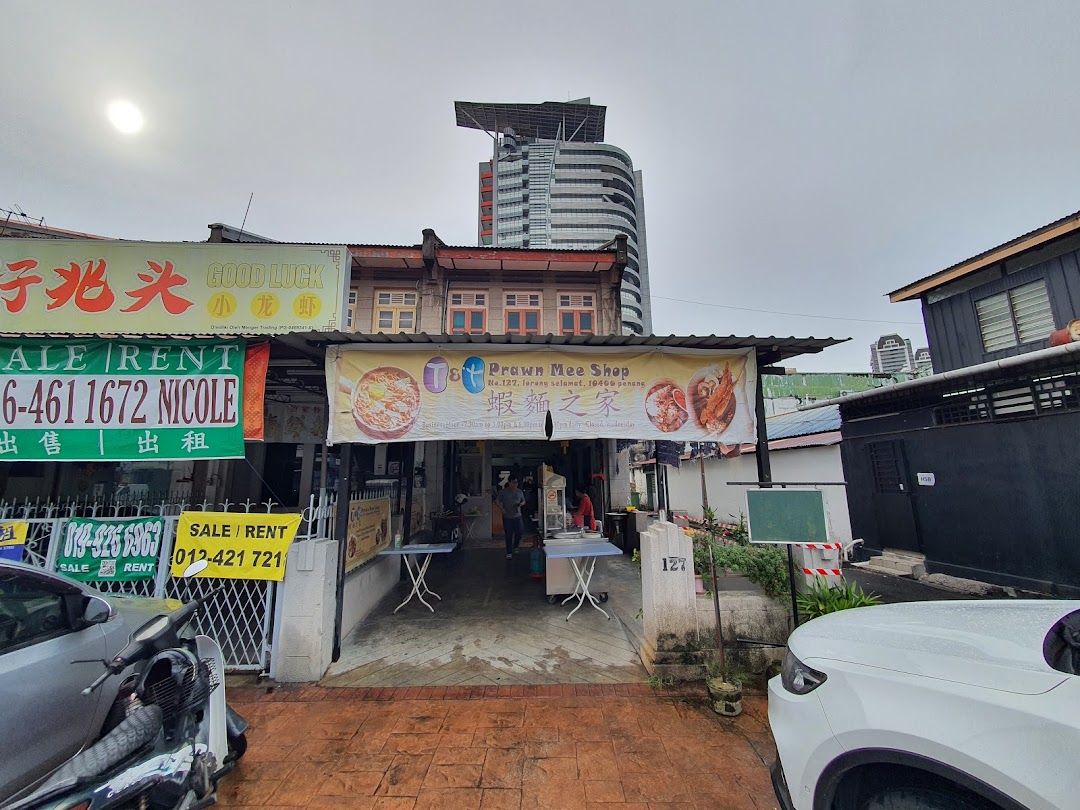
point(473, 410)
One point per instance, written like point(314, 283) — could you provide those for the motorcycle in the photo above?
point(172, 736)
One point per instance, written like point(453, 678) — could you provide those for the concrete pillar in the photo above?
point(304, 641)
point(671, 646)
point(817, 561)
point(618, 466)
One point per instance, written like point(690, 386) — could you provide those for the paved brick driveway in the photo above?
point(480, 748)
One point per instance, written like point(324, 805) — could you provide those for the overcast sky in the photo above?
point(800, 157)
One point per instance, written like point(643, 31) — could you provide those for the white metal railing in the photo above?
point(240, 616)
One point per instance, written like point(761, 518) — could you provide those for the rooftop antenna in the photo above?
point(246, 210)
point(20, 215)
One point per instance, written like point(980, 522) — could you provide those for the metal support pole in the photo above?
point(704, 487)
point(716, 610)
point(494, 192)
point(408, 463)
point(341, 534)
point(764, 471)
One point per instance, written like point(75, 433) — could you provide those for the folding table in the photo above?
point(582, 558)
point(418, 570)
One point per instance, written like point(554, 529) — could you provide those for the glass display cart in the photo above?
point(552, 502)
point(559, 579)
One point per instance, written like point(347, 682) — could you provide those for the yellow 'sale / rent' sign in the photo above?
point(241, 545)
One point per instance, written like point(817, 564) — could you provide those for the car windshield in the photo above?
point(1061, 647)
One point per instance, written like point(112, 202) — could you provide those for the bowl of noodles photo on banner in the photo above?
point(713, 395)
point(665, 405)
point(385, 402)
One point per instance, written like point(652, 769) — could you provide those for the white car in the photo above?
point(931, 706)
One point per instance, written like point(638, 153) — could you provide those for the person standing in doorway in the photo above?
point(585, 508)
point(510, 500)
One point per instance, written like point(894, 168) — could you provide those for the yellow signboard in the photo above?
point(236, 545)
point(446, 393)
point(369, 530)
point(12, 539)
point(13, 532)
point(88, 286)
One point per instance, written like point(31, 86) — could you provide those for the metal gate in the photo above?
point(240, 616)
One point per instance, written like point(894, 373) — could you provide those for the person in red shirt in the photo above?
point(585, 508)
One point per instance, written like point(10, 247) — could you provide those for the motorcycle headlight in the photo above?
point(798, 678)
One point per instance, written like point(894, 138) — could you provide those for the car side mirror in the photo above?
point(96, 611)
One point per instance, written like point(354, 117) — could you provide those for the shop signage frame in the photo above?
point(94, 399)
point(369, 530)
point(441, 392)
point(236, 545)
point(90, 286)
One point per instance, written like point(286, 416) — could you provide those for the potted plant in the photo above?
point(725, 690)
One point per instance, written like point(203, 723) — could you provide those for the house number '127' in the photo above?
point(674, 563)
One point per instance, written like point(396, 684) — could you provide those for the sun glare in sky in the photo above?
point(125, 116)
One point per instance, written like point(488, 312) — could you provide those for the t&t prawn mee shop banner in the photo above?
point(121, 400)
point(408, 395)
point(92, 286)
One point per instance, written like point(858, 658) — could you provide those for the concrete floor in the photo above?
point(521, 748)
point(494, 627)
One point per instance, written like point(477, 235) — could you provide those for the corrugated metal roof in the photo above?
point(962, 378)
point(803, 423)
point(813, 440)
point(977, 262)
point(769, 349)
point(12, 228)
point(773, 349)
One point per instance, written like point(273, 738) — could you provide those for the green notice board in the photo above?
point(786, 516)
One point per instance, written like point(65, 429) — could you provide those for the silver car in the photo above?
point(54, 635)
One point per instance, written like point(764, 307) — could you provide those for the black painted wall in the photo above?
point(952, 327)
point(1006, 503)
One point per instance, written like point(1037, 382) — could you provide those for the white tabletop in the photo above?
point(566, 550)
point(418, 548)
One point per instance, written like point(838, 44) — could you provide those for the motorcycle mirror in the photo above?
point(195, 569)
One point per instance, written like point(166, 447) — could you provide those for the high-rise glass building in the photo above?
point(552, 182)
point(891, 353)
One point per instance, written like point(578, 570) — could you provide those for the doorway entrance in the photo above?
point(892, 500)
point(495, 622)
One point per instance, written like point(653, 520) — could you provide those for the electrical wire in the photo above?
point(776, 312)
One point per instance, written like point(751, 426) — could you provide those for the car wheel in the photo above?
point(917, 798)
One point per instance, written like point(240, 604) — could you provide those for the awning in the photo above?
point(769, 349)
